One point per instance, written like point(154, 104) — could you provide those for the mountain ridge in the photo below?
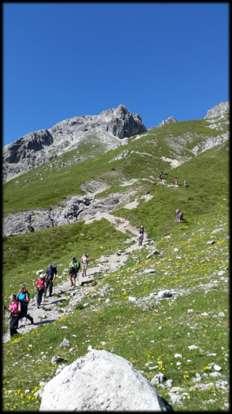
point(109, 127)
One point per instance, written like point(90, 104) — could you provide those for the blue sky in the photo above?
point(66, 59)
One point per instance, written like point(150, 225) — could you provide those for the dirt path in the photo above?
point(65, 298)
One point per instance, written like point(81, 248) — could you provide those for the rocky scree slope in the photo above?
point(110, 127)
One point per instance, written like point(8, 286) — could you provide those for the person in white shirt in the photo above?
point(84, 264)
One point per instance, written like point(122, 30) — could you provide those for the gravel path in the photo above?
point(65, 298)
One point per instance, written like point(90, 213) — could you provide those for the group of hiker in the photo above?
point(18, 306)
point(174, 180)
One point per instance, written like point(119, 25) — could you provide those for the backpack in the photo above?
point(74, 267)
point(23, 296)
point(15, 308)
point(40, 283)
point(51, 271)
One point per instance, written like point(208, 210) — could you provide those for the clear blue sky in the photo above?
point(63, 60)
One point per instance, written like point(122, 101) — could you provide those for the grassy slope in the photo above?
point(37, 186)
point(140, 336)
point(143, 337)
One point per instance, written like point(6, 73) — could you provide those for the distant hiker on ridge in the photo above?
point(141, 235)
point(50, 216)
point(175, 181)
point(29, 226)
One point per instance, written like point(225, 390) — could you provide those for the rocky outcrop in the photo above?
point(167, 121)
point(220, 110)
point(72, 209)
point(100, 381)
point(108, 128)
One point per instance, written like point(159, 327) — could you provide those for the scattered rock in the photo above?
point(158, 379)
point(56, 359)
point(221, 272)
point(148, 271)
point(211, 241)
point(65, 343)
point(192, 347)
point(162, 294)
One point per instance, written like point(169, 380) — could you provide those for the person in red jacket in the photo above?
point(15, 310)
point(40, 285)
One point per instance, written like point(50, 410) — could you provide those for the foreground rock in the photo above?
point(100, 381)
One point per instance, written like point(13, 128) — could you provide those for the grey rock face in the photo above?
point(36, 148)
point(169, 120)
point(220, 110)
point(73, 209)
point(100, 381)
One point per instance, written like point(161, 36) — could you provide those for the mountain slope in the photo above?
point(165, 307)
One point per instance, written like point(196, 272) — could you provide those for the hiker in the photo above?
point(74, 267)
point(75, 212)
point(50, 216)
point(40, 285)
point(179, 216)
point(141, 235)
point(24, 298)
point(14, 309)
point(51, 273)
point(84, 264)
point(175, 181)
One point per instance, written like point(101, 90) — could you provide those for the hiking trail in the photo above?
point(65, 298)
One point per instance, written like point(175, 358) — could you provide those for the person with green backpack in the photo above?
point(74, 267)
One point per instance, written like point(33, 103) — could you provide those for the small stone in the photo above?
point(211, 241)
point(148, 271)
point(169, 383)
point(214, 374)
point(178, 355)
point(191, 347)
point(197, 378)
point(65, 343)
point(56, 359)
point(158, 379)
point(132, 299)
point(217, 367)
point(221, 272)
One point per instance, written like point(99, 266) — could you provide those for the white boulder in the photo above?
point(100, 381)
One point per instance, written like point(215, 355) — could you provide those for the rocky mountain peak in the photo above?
point(169, 120)
point(219, 110)
point(36, 148)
